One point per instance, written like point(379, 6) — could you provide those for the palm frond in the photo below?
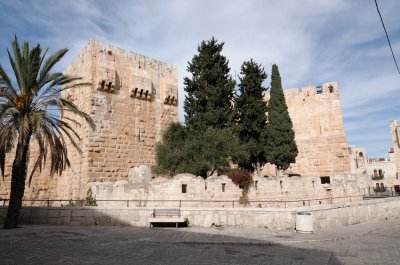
point(26, 109)
point(41, 159)
point(5, 80)
point(7, 139)
point(49, 63)
point(74, 109)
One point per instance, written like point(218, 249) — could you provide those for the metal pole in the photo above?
point(48, 202)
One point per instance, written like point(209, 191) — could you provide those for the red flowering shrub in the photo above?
point(240, 177)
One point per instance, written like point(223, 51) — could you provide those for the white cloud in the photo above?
point(311, 41)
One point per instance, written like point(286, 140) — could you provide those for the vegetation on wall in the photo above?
point(241, 178)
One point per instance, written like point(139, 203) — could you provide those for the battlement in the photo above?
point(113, 70)
point(326, 90)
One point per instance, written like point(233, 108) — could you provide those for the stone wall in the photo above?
point(358, 160)
point(325, 216)
point(131, 99)
point(187, 190)
point(395, 134)
point(381, 171)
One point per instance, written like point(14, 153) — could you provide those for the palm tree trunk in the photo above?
point(18, 177)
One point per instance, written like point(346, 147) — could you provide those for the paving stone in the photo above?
point(357, 244)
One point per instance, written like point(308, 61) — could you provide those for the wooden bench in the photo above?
point(166, 216)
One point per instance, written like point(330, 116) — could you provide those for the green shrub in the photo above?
point(90, 201)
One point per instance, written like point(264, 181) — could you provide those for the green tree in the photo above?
point(170, 152)
point(281, 147)
point(250, 114)
point(27, 113)
point(210, 90)
point(200, 153)
point(206, 144)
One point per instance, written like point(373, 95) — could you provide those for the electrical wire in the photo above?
point(387, 37)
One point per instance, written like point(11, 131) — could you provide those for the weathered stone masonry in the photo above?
point(132, 98)
point(319, 133)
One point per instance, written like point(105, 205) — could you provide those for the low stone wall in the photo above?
point(334, 215)
point(220, 191)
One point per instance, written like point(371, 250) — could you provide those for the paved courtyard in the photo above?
point(357, 244)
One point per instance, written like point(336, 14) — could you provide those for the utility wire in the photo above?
point(387, 37)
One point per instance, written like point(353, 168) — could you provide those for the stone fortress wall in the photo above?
point(319, 133)
point(131, 100)
point(187, 190)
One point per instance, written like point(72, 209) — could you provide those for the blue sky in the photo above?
point(312, 42)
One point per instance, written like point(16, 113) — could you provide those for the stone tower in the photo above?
point(319, 133)
point(131, 98)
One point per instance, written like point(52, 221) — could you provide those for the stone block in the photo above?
point(40, 212)
point(103, 220)
point(75, 222)
point(66, 220)
point(55, 221)
point(78, 212)
point(54, 213)
point(65, 212)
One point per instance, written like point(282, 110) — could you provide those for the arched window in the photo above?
point(375, 173)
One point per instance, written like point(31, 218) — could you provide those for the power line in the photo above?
point(387, 37)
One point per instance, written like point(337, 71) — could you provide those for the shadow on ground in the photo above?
point(38, 244)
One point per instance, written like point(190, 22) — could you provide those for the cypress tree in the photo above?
point(281, 147)
point(210, 90)
point(250, 114)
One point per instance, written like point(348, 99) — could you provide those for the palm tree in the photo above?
point(32, 109)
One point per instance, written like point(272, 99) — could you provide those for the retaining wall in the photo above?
point(334, 215)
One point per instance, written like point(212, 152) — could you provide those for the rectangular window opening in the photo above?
point(184, 188)
point(325, 180)
point(223, 187)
